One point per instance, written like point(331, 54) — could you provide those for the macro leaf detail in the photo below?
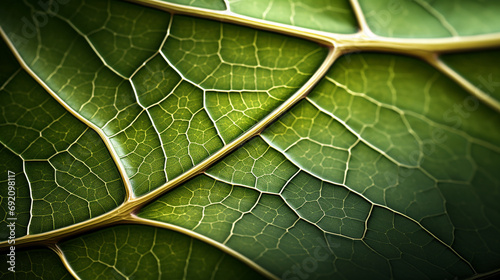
point(250, 139)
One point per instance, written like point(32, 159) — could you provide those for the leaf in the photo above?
point(146, 252)
point(398, 187)
point(424, 19)
point(71, 176)
point(38, 264)
point(482, 77)
point(250, 139)
point(333, 16)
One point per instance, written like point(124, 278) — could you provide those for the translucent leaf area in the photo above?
point(368, 172)
point(162, 88)
point(428, 18)
point(470, 65)
point(240, 139)
point(332, 16)
point(36, 264)
point(64, 172)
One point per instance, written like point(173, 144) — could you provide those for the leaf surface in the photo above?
point(332, 16)
point(427, 19)
point(64, 173)
point(249, 139)
point(149, 253)
point(36, 264)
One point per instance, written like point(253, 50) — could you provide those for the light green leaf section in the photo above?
point(155, 82)
point(480, 68)
point(225, 57)
point(419, 147)
point(72, 175)
point(140, 149)
point(332, 208)
point(124, 35)
point(145, 78)
point(325, 15)
point(204, 205)
point(387, 169)
point(235, 112)
point(300, 234)
point(209, 4)
point(187, 133)
point(428, 18)
point(39, 264)
point(142, 252)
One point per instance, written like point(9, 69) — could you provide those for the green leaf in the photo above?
point(426, 19)
point(250, 139)
point(351, 137)
point(210, 4)
point(35, 264)
point(71, 175)
point(479, 68)
point(332, 16)
point(149, 253)
point(206, 55)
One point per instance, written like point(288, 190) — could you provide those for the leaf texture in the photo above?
point(250, 139)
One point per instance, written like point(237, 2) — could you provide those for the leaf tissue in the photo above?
point(230, 139)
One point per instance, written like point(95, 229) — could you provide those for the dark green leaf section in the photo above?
point(75, 185)
point(480, 68)
point(143, 252)
point(147, 90)
point(420, 150)
point(228, 57)
point(411, 252)
point(9, 64)
point(209, 4)
point(204, 205)
point(314, 229)
point(427, 18)
point(72, 175)
point(34, 264)
point(332, 208)
point(325, 15)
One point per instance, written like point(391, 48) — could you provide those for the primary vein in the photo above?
point(132, 204)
